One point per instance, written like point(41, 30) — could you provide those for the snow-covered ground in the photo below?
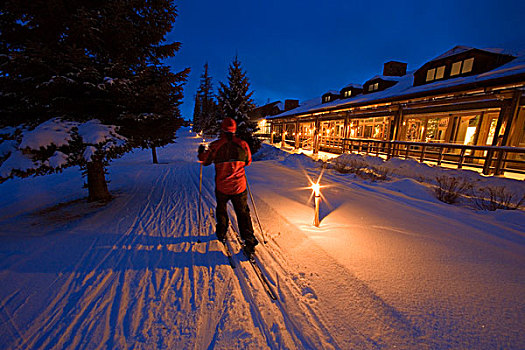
point(389, 267)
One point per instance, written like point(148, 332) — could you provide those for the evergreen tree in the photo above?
point(156, 117)
point(235, 102)
point(86, 69)
point(197, 114)
point(205, 111)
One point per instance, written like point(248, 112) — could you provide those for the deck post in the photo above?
point(297, 136)
point(316, 136)
point(283, 135)
point(487, 163)
point(461, 158)
point(345, 134)
point(422, 158)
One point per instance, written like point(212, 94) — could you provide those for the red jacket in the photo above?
point(230, 158)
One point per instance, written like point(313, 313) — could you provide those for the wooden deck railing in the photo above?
point(491, 159)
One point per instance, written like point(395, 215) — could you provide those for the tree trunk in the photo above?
point(154, 154)
point(96, 181)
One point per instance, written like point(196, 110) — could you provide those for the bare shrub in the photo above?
point(497, 197)
point(449, 188)
point(341, 167)
point(361, 168)
point(346, 166)
point(382, 173)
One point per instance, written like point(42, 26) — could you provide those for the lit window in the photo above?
point(371, 87)
point(431, 74)
point(376, 86)
point(440, 72)
point(456, 67)
point(467, 65)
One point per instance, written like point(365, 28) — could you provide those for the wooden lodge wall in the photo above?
point(481, 107)
point(486, 118)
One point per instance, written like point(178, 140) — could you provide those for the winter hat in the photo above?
point(229, 125)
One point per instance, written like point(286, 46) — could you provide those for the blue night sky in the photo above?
point(301, 49)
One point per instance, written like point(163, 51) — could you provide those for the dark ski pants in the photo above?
point(242, 211)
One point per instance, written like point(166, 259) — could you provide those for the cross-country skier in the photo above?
point(230, 155)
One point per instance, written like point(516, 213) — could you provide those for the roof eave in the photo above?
point(467, 86)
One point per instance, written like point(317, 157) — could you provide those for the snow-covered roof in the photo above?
point(333, 92)
point(405, 87)
point(303, 107)
point(460, 49)
point(386, 77)
point(355, 86)
point(454, 51)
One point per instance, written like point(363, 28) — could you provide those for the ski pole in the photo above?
point(255, 210)
point(200, 203)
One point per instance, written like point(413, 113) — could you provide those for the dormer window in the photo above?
point(462, 67)
point(436, 73)
point(459, 62)
point(373, 87)
point(467, 65)
point(330, 96)
point(440, 72)
point(350, 90)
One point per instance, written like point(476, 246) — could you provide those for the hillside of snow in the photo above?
point(389, 267)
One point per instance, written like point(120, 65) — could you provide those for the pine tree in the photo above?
point(205, 111)
point(86, 69)
point(235, 102)
point(156, 117)
point(197, 114)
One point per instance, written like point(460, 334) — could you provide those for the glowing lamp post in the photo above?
point(317, 195)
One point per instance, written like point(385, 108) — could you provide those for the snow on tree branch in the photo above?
point(55, 145)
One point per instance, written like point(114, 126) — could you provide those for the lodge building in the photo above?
point(464, 107)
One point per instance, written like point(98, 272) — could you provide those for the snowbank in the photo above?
point(300, 160)
point(268, 152)
point(410, 168)
point(411, 188)
point(397, 169)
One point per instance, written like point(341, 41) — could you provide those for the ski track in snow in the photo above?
point(143, 280)
point(137, 273)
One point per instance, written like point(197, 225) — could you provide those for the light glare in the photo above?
point(317, 189)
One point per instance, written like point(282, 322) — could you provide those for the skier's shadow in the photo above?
point(85, 253)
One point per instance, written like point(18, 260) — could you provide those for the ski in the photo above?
point(264, 281)
point(253, 262)
point(260, 275)
point(229, 254)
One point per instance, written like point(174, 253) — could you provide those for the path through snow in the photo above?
point(384, 269)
